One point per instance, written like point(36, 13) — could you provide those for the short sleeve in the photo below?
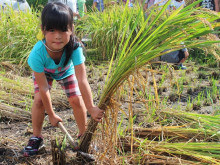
point(35, 62)
point(78, 57)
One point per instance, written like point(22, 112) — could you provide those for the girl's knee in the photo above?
point(38, 101)
point(76, 101)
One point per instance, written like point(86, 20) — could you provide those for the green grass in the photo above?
point(18, 32)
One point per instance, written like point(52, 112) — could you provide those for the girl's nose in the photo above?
point(57, 35)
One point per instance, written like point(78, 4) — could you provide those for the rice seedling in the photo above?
point(209, 97)
point(189, 105)
point(180, 86)
point(197, 101)
point(63, 143)
point(164, 101)
point(215, 91)
point(58, 154)
point(164, 75)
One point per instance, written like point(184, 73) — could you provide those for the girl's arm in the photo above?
point(45, 97)
point(80, 71)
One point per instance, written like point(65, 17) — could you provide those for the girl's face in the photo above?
point(57, 39)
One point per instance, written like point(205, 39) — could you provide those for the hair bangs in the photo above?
point(58, 18)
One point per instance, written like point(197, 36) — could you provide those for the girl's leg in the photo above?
point(38, 110)
point(70, 86)
point(36, 142)
point(38, 113)
point(79, 111)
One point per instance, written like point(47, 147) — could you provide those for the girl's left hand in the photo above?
point(96, 113)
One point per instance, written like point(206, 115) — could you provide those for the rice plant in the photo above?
point(18, 32)
point(136, 46)
point(104, 28)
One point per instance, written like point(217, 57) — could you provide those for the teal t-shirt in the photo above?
point(40, 61)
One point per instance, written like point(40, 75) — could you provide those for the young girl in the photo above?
point(58, 57)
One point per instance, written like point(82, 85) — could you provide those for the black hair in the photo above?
point(60, 17)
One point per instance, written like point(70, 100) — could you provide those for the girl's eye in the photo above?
point(51, 30)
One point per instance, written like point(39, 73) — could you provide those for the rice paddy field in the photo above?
point(154, 113)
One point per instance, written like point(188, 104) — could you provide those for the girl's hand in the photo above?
point(54, 119)
point(96, 113)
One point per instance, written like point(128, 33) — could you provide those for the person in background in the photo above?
point(58, 57)
point(163, 2)
point(178, 3)
point(81, 6)
point(18, 5)
point(147, 5)
point(130, 2)
point(210, 4)
point(177, 57)
point(99, 5)
point(71, 4)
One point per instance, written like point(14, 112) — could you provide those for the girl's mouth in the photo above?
point(58, 43)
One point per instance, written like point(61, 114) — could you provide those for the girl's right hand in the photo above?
point(96, 113)
point(54, 120)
